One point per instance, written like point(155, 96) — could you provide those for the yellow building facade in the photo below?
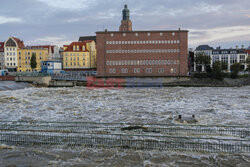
point(79, 55)
point(24, 57)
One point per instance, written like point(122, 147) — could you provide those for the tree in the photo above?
point(202, 59)
point(217, 70)
point(248, 63)
point(224, 66)
point(235, 68)
point(33, 62)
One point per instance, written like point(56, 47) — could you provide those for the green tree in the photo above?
point(235, 68)
point(33, 62)
point(248, 63)
point(203, 60)
point(224, 66)
point(217, 70)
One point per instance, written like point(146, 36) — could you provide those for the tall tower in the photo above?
point(126, 24)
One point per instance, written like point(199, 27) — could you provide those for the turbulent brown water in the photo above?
point(224, 106)
point(64, 157)
point(11, 85)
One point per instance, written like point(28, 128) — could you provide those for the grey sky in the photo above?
point(214, 22)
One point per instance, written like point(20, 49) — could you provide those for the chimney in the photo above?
point(242, 46)
point(106, 30)
point(237, 47)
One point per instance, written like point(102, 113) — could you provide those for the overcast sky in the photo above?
point(214, 22)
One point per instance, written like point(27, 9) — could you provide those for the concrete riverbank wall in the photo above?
point(40, 80)
point(152, 82)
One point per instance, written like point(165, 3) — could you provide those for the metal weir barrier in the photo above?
point(69, 77)
point(200, 138)
point(171, 129)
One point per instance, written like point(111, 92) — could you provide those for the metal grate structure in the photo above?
point(172, 137)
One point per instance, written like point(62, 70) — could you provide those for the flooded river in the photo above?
point(211, 106)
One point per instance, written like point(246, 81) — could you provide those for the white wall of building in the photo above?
point(10, 56)
point(230, 58)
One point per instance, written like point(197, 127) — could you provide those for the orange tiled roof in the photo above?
point(44, 47)
point(80, 44)
point(19, 42)
point(1, 46)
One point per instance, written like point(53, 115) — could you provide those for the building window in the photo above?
point(161, 34)
point(162, 62)
point(124, 70)
point(149, 34)
point(161, 70)
point(111, 34)
point(124, 34)
point(136, 34)
point(112, 70)
point(215, 58)
point(242, 58)
point(224, 58)
point(233, 59)
point(149, 70)
point(173, 33)
point(136, 70)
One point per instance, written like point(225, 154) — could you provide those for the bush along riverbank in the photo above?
point(210, 82)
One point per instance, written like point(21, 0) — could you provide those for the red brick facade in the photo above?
point(142, 53)
point(126, 25)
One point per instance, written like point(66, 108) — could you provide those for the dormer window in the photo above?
point(83, 48)
point(74, 48)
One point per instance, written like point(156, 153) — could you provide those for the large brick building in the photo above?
point(141, 53)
